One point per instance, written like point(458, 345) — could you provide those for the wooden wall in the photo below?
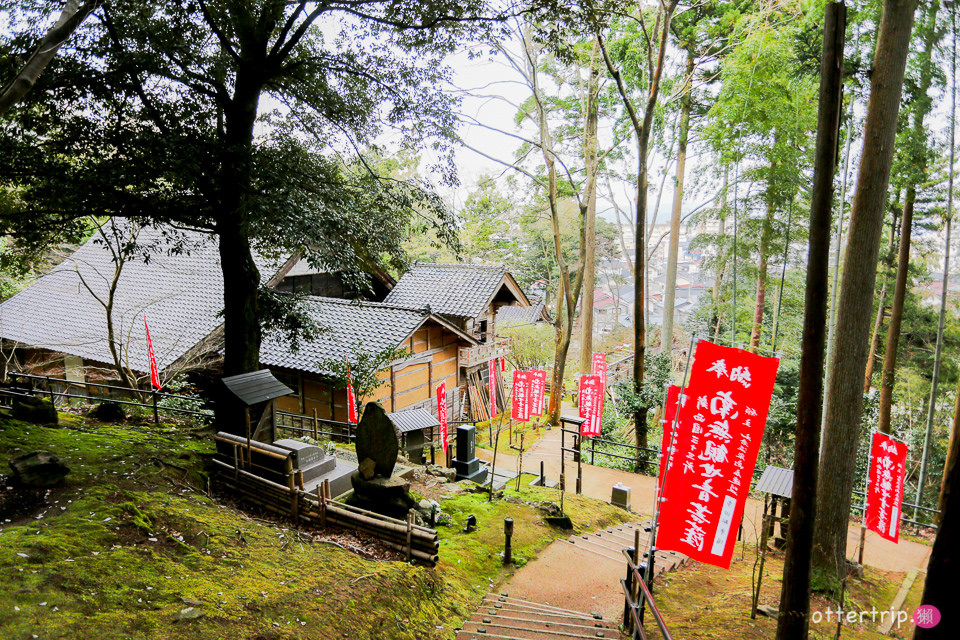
point(434, 359)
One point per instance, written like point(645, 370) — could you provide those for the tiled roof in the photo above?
point(520, 315)
point(461, 290)
point(348, 328)
point(181, 295)
point(413, 420)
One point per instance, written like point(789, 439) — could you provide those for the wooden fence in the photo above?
point(320, 510)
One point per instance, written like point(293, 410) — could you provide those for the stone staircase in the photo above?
point(609, 543)
point(501, 617)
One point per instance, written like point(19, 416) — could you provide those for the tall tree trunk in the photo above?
point(940, 587)
point(793, 621)
point(931, 35)
point(241, 278)
point(765, 234)
point(642, 131)
point(882, 303)
point(844, 403)
point(591, 162)
point(72, 15)
point(896, 314)
point(670, 289)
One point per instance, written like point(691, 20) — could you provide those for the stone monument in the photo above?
point(374, 486)
point(466, 463)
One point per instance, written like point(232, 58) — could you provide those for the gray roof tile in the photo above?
point(461, 290)
point(348, 328)
point(181, 294)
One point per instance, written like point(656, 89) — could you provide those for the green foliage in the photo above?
point(531, 345)
point(657, 370)
point(362, 369)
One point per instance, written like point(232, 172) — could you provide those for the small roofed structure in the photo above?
point(416, 430)
point(776, 484)
point(257, 391)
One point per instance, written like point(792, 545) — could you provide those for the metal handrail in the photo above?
point(48, 379)
point(645, 597)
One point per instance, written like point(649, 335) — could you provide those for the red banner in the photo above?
point(590, 401)
point(678, 425)
point(492, 386)
point(351, 397)
point(442, 414)
point(888, 463)
point(600, 367)
point(503, 363)
point(538, 383)
point(727, 402)
point(154, 373)
point(520, 398)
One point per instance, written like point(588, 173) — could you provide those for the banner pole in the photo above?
point(652, 544)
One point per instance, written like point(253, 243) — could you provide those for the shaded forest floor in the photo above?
point(702, 601)
point(133, 537)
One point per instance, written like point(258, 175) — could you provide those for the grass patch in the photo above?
point(132, 538)
point(705, 602)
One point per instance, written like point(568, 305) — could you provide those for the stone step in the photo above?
point(472, 631)
point(503, 600)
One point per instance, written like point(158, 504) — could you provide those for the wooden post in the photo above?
point(507, 546)
point(593, 448)
point(156, 412)
point(543, 480)
point(579, 479)
point(236, 462)
point(409, 536)
point(627, 605)
point(863, 538)
point(53, 398)
point(246, 417)
point(763, 556)
point(322, 504)
point(290, 475)
point(432, 445)
point(316, 425)
point(300, 479)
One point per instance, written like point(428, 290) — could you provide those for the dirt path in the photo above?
point(598, 483)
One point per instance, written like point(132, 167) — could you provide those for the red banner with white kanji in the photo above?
point(888, 463)
point(538, 384)
point(520, 397)
point(503, 363)
point(600, 367)
point(351, 397)
point(675, 427)
point(492, 386)
point(442, 413)
point(154, 373)
point(590, 401)
point(706, 489)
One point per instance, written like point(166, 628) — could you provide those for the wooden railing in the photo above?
point(317, 428)
point(320, 510)
point(479, 354)
point(636, 597)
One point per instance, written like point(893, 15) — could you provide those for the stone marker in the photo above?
point(377, 439)
point(190, 613)
point(35, 410)
point(38, 469)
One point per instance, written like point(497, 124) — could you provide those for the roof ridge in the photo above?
point(460, 265)
point(368, 303)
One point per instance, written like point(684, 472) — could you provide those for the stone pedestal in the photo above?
point(466, 463)
point(388, 496)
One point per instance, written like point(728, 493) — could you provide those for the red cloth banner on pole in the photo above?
point(503, 363)
point(520, 398)
point(681, 435)
point(590, 401)
point(726, 406)
point(538, 384)
point(600, 367)
point(351, 397)
point(154, 373)
point(888, 463)
point(492, 386)
point(442, 414)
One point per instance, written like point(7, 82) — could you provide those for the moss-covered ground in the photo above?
point(700, 601)
point(133, 537)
